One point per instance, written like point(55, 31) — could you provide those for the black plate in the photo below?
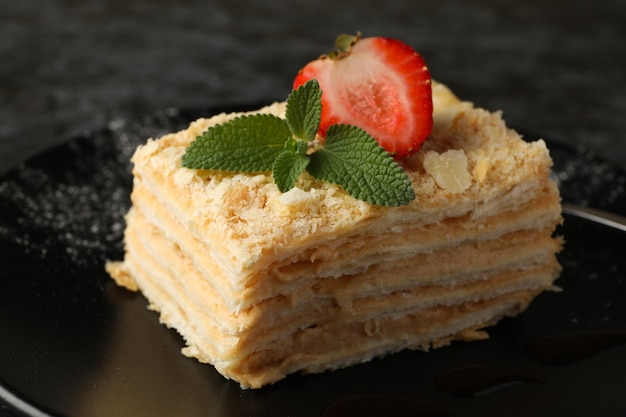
point(73, 343)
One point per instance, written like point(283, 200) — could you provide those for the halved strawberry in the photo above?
point(378, 84)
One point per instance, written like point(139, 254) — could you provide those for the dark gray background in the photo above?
point(555, 68)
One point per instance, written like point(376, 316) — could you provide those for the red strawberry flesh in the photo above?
point(381, 85)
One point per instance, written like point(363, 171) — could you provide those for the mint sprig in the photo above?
point(350, 157)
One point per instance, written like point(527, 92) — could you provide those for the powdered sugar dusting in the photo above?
point(70, 202)
point(584, 179)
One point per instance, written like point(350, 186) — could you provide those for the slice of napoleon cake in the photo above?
point(263, 283)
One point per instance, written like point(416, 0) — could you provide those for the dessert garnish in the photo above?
point(379, 84)
point(348, 156)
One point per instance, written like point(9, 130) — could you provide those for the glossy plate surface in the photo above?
point(72, 343)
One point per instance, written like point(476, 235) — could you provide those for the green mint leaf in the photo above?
point(304, 110)
point(353, 159)
point(297, 145)
point(247, 143)
point(287, 169)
